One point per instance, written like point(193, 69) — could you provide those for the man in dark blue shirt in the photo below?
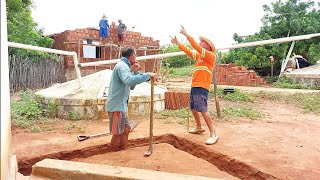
point(104, 26)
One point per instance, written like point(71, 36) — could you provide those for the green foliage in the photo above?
point(177, 61)
point(52, 108)
point(314, 53)
point(23, 29)
point(181, 72)
point(287, 83)
point(231, 113)
point(24, 111)
point(281, 19)
point(270, 79)
point(74, 115)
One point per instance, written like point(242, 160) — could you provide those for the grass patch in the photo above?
point(309, 102)
point(180, 113)
point(238, 95)
point(185, 71)
point(179, 116)
point(74, 115)
point(288, 84)
point(232, 113)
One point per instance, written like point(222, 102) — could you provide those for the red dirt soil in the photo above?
point(164, 158)
point(285, 144)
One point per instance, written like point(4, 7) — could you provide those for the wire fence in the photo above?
point(34, 73)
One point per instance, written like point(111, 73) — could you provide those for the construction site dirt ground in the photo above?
point(284, 144)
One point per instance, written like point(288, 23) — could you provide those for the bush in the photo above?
point(178, 61)
point(25, 110)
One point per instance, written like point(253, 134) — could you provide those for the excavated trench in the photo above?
point(222, 162)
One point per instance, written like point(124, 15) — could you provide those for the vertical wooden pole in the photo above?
point(151, 118)
point(215, 91)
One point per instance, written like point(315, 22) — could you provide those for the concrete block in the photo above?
point(59, 169)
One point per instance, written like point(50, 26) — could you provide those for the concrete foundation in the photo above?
point(308, 75)
point(59, 169)
point(88, 102)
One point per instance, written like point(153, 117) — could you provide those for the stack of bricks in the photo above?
point(230, 74)
point(69, 41)
point(176, 100)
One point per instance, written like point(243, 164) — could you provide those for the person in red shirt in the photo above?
point(201, 81)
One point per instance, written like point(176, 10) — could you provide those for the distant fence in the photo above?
point(35, 72)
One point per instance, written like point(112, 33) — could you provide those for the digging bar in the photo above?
point(150, 150)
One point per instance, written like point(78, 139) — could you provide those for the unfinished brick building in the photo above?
point(86, 43)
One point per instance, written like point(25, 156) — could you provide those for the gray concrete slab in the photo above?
point(308, 75)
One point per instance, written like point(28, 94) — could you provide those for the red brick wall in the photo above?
point(230, 74)
point(69, 41)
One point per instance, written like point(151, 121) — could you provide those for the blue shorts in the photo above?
point(103, 32)
point(199, 99)
point(118, 121)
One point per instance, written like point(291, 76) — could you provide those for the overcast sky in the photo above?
point(215, 19)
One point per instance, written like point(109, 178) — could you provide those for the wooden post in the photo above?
point(271, 60)
point(215, 91)
point(151, 117)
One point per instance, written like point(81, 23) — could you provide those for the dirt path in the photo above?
point(283, 144)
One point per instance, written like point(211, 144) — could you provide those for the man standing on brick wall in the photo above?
point(117, 101)
point(121, 29)
point(201, 81)
point(104, 27)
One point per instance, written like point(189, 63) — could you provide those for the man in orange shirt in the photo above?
point(201, 81)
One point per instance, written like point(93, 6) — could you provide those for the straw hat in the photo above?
point(213, 48)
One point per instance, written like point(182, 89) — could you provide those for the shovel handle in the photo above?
point(84, 137)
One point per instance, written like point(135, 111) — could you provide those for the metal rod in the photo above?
point(271, 41)
point(284, 63)
point(161, 56)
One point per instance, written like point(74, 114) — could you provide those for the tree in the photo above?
point(23, 29)
point(179, 61)
point(281, 19)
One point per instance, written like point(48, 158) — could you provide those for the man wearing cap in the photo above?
point(201, 81)
point(104, 26)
